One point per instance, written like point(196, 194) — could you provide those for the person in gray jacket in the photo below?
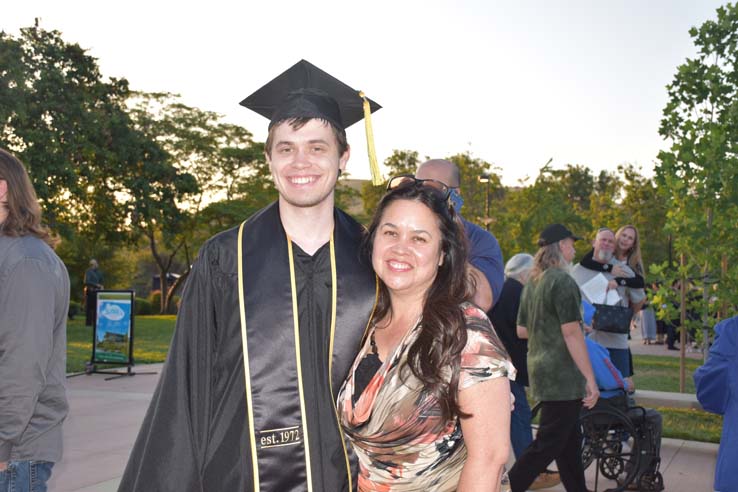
point(34, 301)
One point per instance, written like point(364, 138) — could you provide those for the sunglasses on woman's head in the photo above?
point(410, 180)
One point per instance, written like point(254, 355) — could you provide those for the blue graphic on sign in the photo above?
point(113, 329)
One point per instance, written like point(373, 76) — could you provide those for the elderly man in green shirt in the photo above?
point(559, 370)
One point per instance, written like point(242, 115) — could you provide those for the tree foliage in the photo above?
point(698, 175)
point(95, 171)
point(118, 170)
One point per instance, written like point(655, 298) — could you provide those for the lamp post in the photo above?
point(485, 178)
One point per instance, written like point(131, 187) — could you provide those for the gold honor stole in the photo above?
point(279, 437)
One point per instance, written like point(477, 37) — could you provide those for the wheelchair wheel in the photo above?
point(651, 482)
point(611, 442)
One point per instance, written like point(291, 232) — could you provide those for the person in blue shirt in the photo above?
point(717, 391)
point(612, 384)
point(485, 255)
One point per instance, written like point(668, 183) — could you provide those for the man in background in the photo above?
point(615, 343)
point(485, 256)
point(613, 387)
point(93, 283)
point(559, 372)
point(34, 301)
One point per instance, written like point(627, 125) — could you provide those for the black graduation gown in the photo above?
point(196, 434)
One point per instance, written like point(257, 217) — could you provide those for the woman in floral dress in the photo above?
point(426, 404)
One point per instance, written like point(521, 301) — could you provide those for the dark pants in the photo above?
point(651, 424)
point(90, 306)
point(521, 435)
point(671, 335)
point(558, 438)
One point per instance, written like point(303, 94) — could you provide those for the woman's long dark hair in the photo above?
point(442, 334)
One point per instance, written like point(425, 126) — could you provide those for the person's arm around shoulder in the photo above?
point(589, 263)
point(712, 379)
point(26, 337)
point(623, 279)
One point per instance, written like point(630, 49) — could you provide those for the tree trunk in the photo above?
point(683, 327)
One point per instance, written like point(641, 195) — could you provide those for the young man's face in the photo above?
point(305, 163)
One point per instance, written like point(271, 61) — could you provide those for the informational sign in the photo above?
point(113, 334)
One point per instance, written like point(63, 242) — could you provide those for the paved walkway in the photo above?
point(638, 347)
point(105, 416)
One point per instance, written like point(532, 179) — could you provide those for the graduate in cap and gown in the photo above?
point(271, 318)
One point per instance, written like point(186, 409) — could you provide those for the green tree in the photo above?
point(400, 162)
point(69, 127)
point(477, 193)
point(197, 145)
point(698, 175)
point(96, 174)
point(527, 209)
point(644, 207)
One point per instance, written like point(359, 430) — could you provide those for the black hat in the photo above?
point(304, 90)
point(555, 233)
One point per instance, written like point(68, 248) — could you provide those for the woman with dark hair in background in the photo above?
point(426, 404)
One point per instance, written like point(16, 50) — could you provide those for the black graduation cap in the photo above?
point(304, 90)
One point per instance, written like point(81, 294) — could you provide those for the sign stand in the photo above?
point(112, 334)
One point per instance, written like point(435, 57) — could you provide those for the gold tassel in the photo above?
point(373, 164)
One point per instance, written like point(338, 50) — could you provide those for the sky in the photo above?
point(514, 83)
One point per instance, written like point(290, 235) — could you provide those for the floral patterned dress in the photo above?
point(395, 426)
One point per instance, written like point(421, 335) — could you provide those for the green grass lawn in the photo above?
point(152, 335)
point(690, 424)
point(659, 373)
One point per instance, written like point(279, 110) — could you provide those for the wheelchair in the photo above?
point(622, 444)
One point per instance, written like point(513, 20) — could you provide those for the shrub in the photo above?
point(155, 300)
point(143, 307)
point(75, 308)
